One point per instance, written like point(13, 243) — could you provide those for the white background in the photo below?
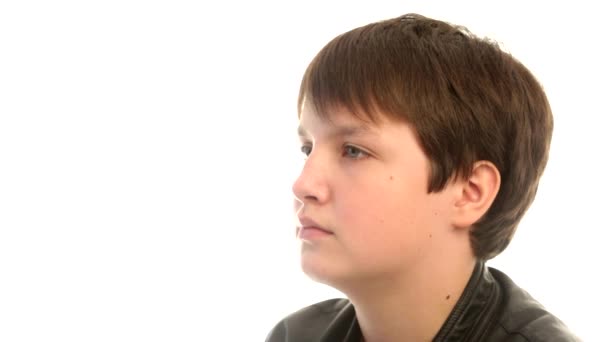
point(147, 150)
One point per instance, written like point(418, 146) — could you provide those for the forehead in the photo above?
point(327, 109)
point(337, 121)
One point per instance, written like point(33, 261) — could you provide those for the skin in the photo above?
point(400, 254)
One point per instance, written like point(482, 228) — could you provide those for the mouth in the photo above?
point(310, 230)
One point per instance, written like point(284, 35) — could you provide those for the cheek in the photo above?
point(387, 214)
point(377, 211)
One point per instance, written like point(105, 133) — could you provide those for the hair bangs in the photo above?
point(350, 73)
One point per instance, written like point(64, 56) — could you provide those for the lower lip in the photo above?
point(311, 233)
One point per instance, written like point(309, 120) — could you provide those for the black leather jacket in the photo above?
point(491, 308)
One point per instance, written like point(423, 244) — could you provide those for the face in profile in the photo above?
point(361, 199)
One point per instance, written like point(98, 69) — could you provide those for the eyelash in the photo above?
point(307, 149)
point(359, 153)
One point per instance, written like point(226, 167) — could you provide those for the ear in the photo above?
point(475, 194)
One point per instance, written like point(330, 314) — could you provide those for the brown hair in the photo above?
point(466, 99)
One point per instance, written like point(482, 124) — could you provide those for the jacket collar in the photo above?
point(472, 314)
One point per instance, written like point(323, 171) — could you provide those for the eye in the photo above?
point(306, 149)
point(354, 152)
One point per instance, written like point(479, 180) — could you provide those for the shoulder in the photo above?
point(312, 322)
point(522, 318)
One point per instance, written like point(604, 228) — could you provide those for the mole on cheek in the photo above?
point(390, 178)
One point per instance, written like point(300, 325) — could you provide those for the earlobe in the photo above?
point(476, 194)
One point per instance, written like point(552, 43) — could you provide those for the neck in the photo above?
point(412, 307)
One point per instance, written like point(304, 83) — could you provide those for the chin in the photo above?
point(320, 269)
point(328, 273)
point(314, 267)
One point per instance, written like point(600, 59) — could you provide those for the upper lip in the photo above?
point(306, 222)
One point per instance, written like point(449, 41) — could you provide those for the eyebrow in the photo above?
point(343, 131)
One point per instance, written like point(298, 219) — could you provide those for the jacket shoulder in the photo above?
point(311, 322)
point(524, 319)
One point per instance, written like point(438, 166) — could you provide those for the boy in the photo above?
point(425, 146)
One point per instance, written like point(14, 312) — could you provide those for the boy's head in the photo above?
point(465, 100)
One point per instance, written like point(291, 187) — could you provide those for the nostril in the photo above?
point(311, 198)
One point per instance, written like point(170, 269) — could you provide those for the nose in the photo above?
point(312, 186)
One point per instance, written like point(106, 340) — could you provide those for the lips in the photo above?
point(311, 230)
point(307, 223)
